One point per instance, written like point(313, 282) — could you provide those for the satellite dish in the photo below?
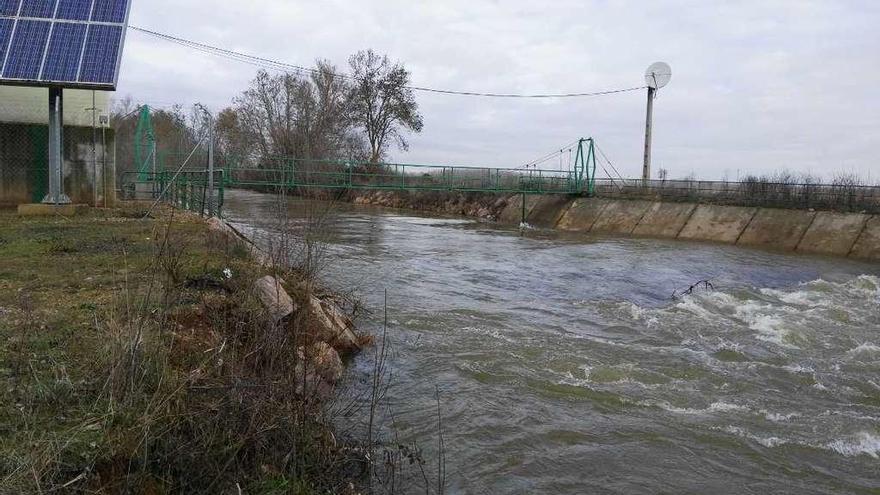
point(658, 75)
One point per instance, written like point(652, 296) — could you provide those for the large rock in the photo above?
point(317, 371)
point(325, 361)
point(270, 291)
point(332, 325)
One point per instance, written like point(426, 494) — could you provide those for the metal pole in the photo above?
point(646, 172)
point(56, 147)
point(104, 164)
point(156, 186)
point(95, 145)
point(210, 165)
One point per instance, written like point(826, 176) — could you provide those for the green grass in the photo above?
point(71, 291)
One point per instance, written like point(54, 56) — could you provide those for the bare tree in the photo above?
point(381, 103)
point(292, 116)
point(232, 141)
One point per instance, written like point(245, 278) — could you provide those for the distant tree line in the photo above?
point(362, 115)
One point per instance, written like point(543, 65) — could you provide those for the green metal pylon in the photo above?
point(145, 145)
point(585, 167)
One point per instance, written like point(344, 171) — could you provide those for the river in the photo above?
point(564, 365)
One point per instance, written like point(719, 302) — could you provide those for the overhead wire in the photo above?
point(287, 67)
point(548, 156)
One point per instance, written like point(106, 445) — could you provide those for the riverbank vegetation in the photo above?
point(136, 358)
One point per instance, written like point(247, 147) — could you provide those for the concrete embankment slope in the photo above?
point(854, 235)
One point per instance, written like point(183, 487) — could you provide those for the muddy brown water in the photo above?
point(564, 366)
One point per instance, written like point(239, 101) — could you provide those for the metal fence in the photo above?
point(191, 190)
point(335, 174)
point(88, 167)
point(842, 197)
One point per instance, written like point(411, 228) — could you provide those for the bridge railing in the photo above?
point(187, 189)
point(284, 172)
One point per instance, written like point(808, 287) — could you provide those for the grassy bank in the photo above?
point(134, 358)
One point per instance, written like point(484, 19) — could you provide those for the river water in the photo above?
point(564, 365)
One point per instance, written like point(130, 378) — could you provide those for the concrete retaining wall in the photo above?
point(621, 217)
point(717, 223)
point(665, 220)
point(841, 234)
point(513, 212)
point(547, 212)
point(582, 214)
point(868, 245)
point(777, 229)
point(833, 233)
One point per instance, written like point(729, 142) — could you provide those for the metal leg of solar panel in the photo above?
point(56, 152)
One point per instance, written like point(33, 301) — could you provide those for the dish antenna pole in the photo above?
point(657, 76)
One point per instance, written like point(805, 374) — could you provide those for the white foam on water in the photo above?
point(799, 368)
point(778, 417)
point(725, 407)
point(766, 320)
point(715, 407)
point(770, 329)
point(868, 285)
point(695, 306)
point(493, 333)
point(862, 444)
point(769, 442)
point(798, 298)
point(867, 348)
point(586, 368)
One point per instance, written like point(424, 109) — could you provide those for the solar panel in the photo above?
point(26, 51)
point(109, 11)
point(63, 55)
point(37, 8)
point(9, 7)
point(74, 10)
point(5, 34)
point(68, 43)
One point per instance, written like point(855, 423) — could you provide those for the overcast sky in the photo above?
point(757, 86)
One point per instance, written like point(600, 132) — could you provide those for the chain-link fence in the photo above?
point(88, 168)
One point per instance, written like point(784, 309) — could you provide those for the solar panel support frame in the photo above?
point(56, 194)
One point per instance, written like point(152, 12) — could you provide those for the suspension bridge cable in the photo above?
point(609, 163)
point(286, 67)
point(548, 156)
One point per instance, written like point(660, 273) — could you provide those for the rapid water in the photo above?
point(564, 366)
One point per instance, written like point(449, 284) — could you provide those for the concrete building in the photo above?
point(89, 151)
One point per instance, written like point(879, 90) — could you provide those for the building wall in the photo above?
point(89, 167)
point(31, 105)
point(24, 171)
